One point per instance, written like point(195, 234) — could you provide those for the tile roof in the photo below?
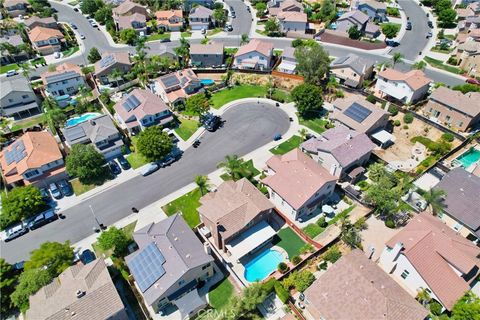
point(263, 47)
point(111, 58)
point(10, 3)
point(233, 205)
point(351, 60)
point(462, 199)
point(355, 288)
point(47, 20)
point(355, 15)
point(200, 12)
point(58, 300)
point(125, 22)
point(342, 105)
point(374, 4)
point(180, 247)
point(433, 248)
point(297, 177)
point(167, 14)
point(61, 69)
point(345, 145)
point(292, 16)
point(209, 48)
point(14, 84)
point(125, 7)
point(40, 148)
point(415, 79)
point(41, 34)
point(15, 40)
point(457, 100)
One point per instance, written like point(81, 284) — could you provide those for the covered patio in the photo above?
point(250, 240)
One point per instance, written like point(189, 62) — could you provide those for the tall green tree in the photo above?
point(327, 10)
point(94, 55)
point(104, 14)
point(154, 144)
point(29, 282)
point(349, 234)
point(55, 257)
point(90, 6)
point(129, 36)
point(468, 307)
point(447, 17)
point(183, 51)
point(202, 184)
point(390, 30)
point(354, 33)
point(19, 204)
point(312, 62)
point(435, 199)
point(261, 7)
point(235, 167)
point(87, 164)
point(197, 104)
point(8, 279)
point(244, 39)
point(397, 58)
point(272, 27)
point(308, 99)
point(419, 65)
point(115, 239)
point(219, 17)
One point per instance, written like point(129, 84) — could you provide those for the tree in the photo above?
point(202, 184)
point(419, 65)
point(235, 167)
point(390, 30)
point(423, 297)
point(327, 11)
point(447, 17)
point(354, 33)
point(397, 58)
point(183, 51)
point(19, 204)
point(94, 55)
point(116, 74)
point(434, 198)
point(468, 307)
point(29, 282)
point(129, 36)
point(26, 68)
point(303, 133)
point(87, 164)
point(382, 195)
point(54, 115)
point(219, 16)
point(197, 104)
point(377, 171)
point(349, 234)
point(244, 39)
point(54, 257)
point(89, 6)
point(312, 62)
point(308, 99)
point(104, 14)
point(272, 27)
point(261, 7)
point(8, 279)
point(115, 239)
point(442, 5)
point(154, 144)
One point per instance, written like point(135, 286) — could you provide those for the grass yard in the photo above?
point(440, 65)
point(70, 51)
point(186, 34)
point(289, 241)
point(128, 229)
point(27, 123)
point(158, 36)
point(250, 167)
point(219, 294)
point(36, 61)
point(187, 205)
point(315, 124)
point(135, 159)
point(225, 96)
point(79, 188)
point(282, 96)
point(287, 146)
point(187, 128)
point(214, 31)
point(73, 3)
point(8, 67)
point(313, 229)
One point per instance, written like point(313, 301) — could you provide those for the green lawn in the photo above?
point(79, 188)
point(282, 96)
point(315, 124)
point(36, 61)
point(187, 128)
point(135, 159)
point(313, 229)
point(128, 229)
point(287, 146)
point(27, 123)
point(440, 65)
point(186, 34)
point(187, 205)
point(219, 294)
point(225, 96)
point(158, 36)
point(8, 67)
point(70, 51)
point(214, 31)
point(73, 3)
point(289, 241)
point(250, 167)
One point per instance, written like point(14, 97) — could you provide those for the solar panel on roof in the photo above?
point(341, 60)
point(171, 80)
point(147, 267)
point(357, 112)
point(131, 103)
point(74, 133)
point(16, 153)
point(108, 60)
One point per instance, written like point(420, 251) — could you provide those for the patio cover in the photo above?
point(287, 66)
point(250, 239)
point(383, 137)
point(189, 304)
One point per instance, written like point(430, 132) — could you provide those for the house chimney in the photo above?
point(333, 168)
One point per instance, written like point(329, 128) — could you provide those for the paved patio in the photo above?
point(375, 236)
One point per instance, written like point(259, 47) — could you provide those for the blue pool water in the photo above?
point(470, 157)
point(84, 117)
point(262, 265)
point(207, 82)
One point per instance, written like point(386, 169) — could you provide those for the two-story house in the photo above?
point(351, 70)
point(105, 67)
point(376, 10)
point(468, 54)
point(66, 80)
point(428, 255)
point(200, 18)
point(206, 55)
point(169, 20)
point(140, 109)
point(12, 47)
point(256, 55)
point(297, 184)
point(285, 6)
point(17, 98)
point(340, 150)
point(169, 265)
point(34, 158)
point(289, 62)
point(291, 21)
point(100, 132)
point(360, 20)
point(406, 87)
point(453, 108)
point(14, 8)
point(235, 212)
point(130, 14)
point(48, 22)
point(176, 87)
point(46, 40)
point(189, 4)
point(129, 7)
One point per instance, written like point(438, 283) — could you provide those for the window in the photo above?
point(10, 100)
point(181, 282)
point(457, 227)
point(460, 124)
point(205, 266)
point(404, 274)
point(31, 173)
point(447, 118)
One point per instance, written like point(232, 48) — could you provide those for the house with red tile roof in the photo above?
point(256, 55)
point(292, 21)
point(407, 87)
point(297, 184)
point(174, 88)
point(169, 20)
point(46, 40)
point(427, 254)
point(33, 159)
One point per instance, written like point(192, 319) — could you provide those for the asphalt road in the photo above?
point(243, 21)
point(247, 127)
point(414, 40)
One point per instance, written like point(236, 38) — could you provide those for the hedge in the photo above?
point(281, 292)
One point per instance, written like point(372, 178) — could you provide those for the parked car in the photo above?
point(204, 31)
point(55, 191)
point(210, 121)
point(429, 35)
point(409, 25)
point(16, 231)
point(45, 194)
point(65, 188)
point(149, 168)
point(11, 73)
point(171, 134)
point(430, 24)
point(173, 156)
point(87, 256)
point(76, 9)
point(228, 27)
point(74, 26)
point(392, 43)
point(277, 137)
point(123, 163)
point(42, 219)
point(114, 167)
point(82, 37)
point(165, 40)
point(473, 81)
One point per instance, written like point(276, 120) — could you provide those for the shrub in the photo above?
point(393, 110)
point(363, 185)
point(281, 292)
point(435, 308)
point(268, 286)
point(396, 123)
point(329, 125)
point(405, 127)
point(371, 98)
point(296, 260)
point(322, 265)
point(390, 224)
point(361, 224)
point(453, 61)
point(282, 267)
point(299, 280)
point(321, 222)
point(408, 118)
point(339, 94)
point(307, 248)
point(391, 11)
point(332, 255)
point(448, 137)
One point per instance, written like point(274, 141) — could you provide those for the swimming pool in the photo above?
point(470, 157)
point(84, 117)
point(262, 265)
point(207, 82)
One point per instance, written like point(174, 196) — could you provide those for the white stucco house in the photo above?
point(256, 55)
point(66, 80)
point(408, 87)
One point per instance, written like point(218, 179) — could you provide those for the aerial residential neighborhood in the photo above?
point(254, 159)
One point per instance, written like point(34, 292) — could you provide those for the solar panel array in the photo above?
point(16, 153)
point(62, 76)
point(131, 103)
point(341, 60)
point(170, 81)
point(107, 61)
point(147, 267)
point(75, 133)
point(357, 112)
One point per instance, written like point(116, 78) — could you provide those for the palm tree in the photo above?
point(349, 234)
point(203, 184)
point(183, 51)
point(420, 65)
point(303, 133)
point(435, 198)
point(234, 167)
point(397, 58)
point(140, 59)
point(244, 39)
point(115, 74)
point(423, 297)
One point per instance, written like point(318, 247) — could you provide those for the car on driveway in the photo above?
point(16, 231)
point(42, 219)
point(149, 169)
point(123, 163)
point(11, 73)
point(114, 167)
point(55, 191)
point(45, 194)
point(65, 188)
point(210, 121)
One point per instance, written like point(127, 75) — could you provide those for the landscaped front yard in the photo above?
point(225, 96)
point(70, 51)
point(158, 36)
point(8, 67)
point(249, 166)
point(128, 229)
point(187, 205)
point(290, 144)
point(315, 124)
point(79, 188)
point(440, 65)
point(187, 128)
point(135, 159)
point(290, 242)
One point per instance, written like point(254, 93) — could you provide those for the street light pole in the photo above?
point(96, 220)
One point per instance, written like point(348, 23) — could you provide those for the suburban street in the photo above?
point(247, 128)
point(242, 23)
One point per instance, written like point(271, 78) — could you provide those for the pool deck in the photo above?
point(451, 161)
point(88, 116)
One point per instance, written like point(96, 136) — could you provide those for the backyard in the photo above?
point(186, 128)
point(219, 294)
point(286, 146)
point(289, 241)
point(27, 123)
point(225, 96)
point(187, 205)
point(314, 229)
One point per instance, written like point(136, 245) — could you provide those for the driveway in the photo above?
point(247, 128)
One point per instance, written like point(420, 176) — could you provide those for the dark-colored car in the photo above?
point(392, 43)
point(55, 191)
point(210, 121)
point(42, 219)
point(16, 231)
point(277, 137)
point(45, 194)
point(165, 40)
point(123, 163)
point(74, 27)
point(65, 188)
point(114, 167)
point(173, 156)
point(473, 81)
point(76, 9)
point(87, 256)
point(430, 24)
point(409, 25)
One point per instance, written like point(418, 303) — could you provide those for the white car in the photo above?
point(82, 37)
point(149, 168)
point(57, 55)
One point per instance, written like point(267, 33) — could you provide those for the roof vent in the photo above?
point(92, 122)
point(176, 238)
point(80, 293)
point(188, 255)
